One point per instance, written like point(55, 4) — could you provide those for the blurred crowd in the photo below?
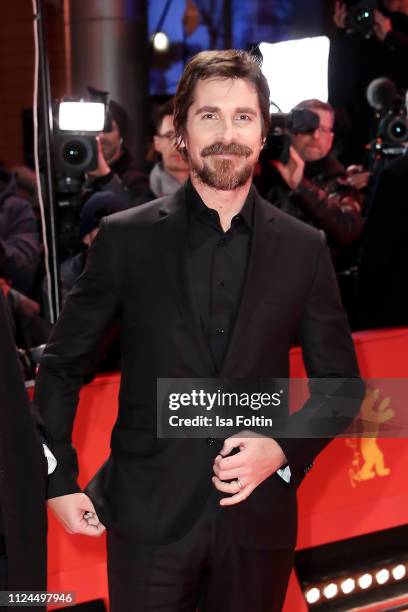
point(337, 177)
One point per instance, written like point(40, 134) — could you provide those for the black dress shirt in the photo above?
point(218, 264)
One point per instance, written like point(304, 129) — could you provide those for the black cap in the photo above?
point(99, 205)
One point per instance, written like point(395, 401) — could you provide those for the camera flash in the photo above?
point(81, 116)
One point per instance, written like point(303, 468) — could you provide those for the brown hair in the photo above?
point(161, 112)
point(230, 64)
point(313, 104)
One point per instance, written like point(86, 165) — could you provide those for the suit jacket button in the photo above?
point(211, 441)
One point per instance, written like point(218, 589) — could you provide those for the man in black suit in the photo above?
point(23, 476)
point(210, 282)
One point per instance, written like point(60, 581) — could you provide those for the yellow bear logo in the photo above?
point(368, 459)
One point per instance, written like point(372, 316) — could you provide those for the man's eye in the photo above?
point(244, 117)
point(208, 116)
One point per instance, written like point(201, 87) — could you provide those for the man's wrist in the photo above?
point(295, 184)
point(100, 173)
point(300, 187)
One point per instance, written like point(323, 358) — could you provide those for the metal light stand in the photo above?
point(45, 111)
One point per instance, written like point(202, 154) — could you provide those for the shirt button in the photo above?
point(220, 331)
point(211, 441)
point(220, 284)
point(223, 242)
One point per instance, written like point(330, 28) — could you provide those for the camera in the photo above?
point(393, 128)
point(75, 152)
point(391, 137)
point(299, 121)
point(389, 104)
point(360, 17)
point(75, 143)
point(391, 116)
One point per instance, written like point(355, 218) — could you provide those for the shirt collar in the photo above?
point(197, 209)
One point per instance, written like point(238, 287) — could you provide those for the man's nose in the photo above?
point(226, 130)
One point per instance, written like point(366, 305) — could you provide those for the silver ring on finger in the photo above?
point(239, 483)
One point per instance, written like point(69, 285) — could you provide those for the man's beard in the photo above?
point(222, 175)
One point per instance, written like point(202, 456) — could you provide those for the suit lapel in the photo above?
point(262, 267)
point(172, 236)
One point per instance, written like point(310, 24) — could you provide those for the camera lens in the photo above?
point(74, 152)
point(398, 130)
point(393, 129)
point(362, 16)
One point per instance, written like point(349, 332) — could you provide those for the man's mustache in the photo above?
point(219, 148)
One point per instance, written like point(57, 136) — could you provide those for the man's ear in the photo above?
point(332, 139)
point(181, 147)
point(183, 152)
point(181, 143)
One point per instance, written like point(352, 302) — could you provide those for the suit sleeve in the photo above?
point(72, 353)
point(336, 390)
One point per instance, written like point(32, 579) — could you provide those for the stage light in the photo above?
point(382, 576)
point(296, 70)
point(330, 590)
point(312, 595)
point(348, 585)
point(399, 571)
point(365, 581)
point(160, 42)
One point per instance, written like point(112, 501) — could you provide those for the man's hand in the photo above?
point(103, 169)
point(382, 25)
point(357, 177)
point(70, 511)
point(292, 172)
point(340, 14)
point(258, 458)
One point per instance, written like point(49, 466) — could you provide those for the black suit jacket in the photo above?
point(383, 268)
point(23, 473)
point(155, 489)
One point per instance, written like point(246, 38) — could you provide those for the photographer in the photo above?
point(314, 187)
point(116, 170)
point(170, 170)
point(360, 51)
